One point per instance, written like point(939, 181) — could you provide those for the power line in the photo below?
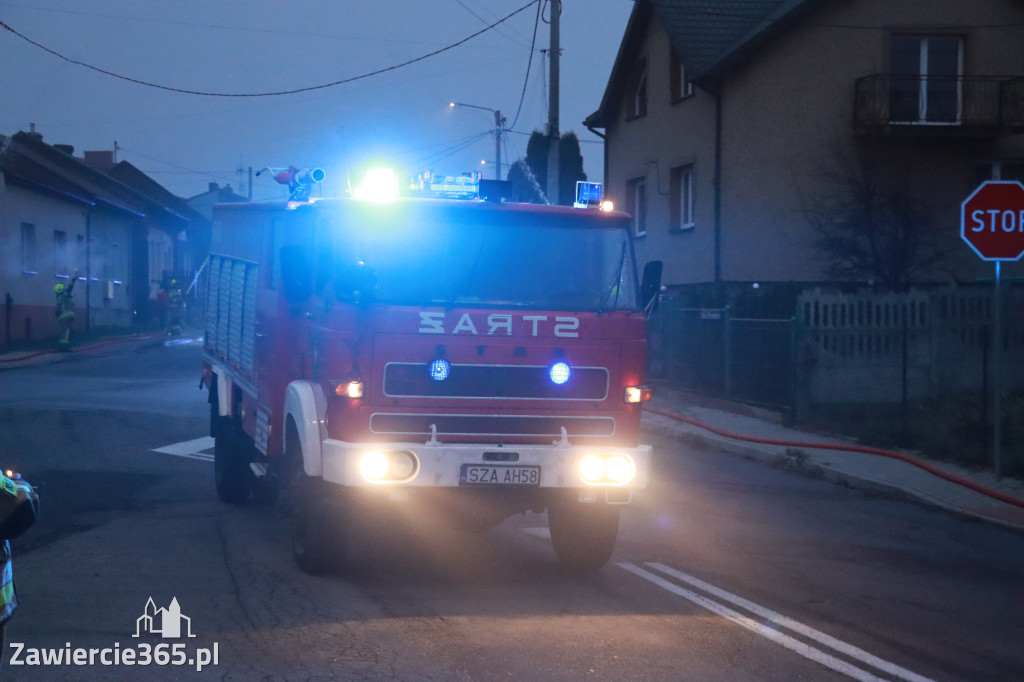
point(529, 64)
point(454, 149)
point(273, 93)
point(484, 21)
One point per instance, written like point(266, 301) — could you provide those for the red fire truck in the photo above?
point(372, 358)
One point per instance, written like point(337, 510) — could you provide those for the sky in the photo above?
point(399, 117)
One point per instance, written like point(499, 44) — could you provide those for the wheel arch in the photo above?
point(306, 406)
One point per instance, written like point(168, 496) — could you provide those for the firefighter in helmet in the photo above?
point(65, 311)
point(176, 306)
point(19, 506)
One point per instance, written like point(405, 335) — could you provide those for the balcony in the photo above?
point(989, 106)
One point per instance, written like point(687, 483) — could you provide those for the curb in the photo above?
point(776, 455)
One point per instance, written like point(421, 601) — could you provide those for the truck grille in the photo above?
point(508, 382)
point(489, 425)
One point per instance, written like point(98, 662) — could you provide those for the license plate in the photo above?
point(499, 474)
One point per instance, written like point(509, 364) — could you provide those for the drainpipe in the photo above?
point(717, 94)
point(604, 155)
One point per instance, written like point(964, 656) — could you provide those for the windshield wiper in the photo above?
point(615, 285)
point(472, 273)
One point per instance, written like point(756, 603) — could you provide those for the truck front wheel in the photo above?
point(314, 520)
point(583, 533)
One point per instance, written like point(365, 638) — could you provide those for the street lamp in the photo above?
point(499, 124)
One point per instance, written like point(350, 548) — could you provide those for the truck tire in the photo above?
point(312, 519)
point(231, 456)
point(583, 533)
point(312, 527)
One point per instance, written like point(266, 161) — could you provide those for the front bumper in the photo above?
point(440, 465)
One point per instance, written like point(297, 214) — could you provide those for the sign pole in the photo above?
point(997, 383)
point(992, 224)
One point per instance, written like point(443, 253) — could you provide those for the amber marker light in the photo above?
point(350, 389)
point(637, 394)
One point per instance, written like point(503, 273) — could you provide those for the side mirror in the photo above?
point(296, 269)
point(650, 286)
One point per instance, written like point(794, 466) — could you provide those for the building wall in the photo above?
point(671, 134)
point(29, 280)
point(109, 287)
point(787, 121)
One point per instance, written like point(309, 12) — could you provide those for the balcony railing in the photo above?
point(988, 104)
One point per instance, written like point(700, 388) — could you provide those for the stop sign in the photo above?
point(992, 220)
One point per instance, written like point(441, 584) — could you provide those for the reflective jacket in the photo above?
point(19, 505)
point(8, 597)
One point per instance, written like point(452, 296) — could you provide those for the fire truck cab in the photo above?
point(369, 360)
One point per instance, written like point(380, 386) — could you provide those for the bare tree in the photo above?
point(872, 225)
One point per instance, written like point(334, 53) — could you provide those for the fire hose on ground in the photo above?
point(848, 448)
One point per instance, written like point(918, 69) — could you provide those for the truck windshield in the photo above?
point(517, 264)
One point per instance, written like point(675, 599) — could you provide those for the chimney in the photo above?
point(101, 160)
point(32, 132)
point(214, 187)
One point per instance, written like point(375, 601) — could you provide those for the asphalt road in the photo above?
point(725, 569)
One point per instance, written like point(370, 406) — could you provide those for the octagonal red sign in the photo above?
point(992, 220)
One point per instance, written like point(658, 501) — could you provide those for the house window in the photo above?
point(638, 90)
point(28, 248)
point(682, 198)
point(680, 85)
point(637, 194)
point(116, 267)
point(925, 85)
point(61, 257)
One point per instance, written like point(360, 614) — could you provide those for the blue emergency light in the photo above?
point(440, 369)
point(559, 373)
point(588, 194)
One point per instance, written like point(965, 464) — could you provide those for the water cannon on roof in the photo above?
point(299, 180)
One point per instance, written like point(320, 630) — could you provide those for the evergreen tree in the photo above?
point(570, 169)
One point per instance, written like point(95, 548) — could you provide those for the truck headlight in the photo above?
point(388, 466)
point(612, 468)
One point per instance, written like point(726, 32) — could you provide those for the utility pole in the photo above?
point(553, 134)
point(499, 127)
point(499, 124)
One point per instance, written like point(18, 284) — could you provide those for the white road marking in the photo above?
point(772, 633)
point(192, 449)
